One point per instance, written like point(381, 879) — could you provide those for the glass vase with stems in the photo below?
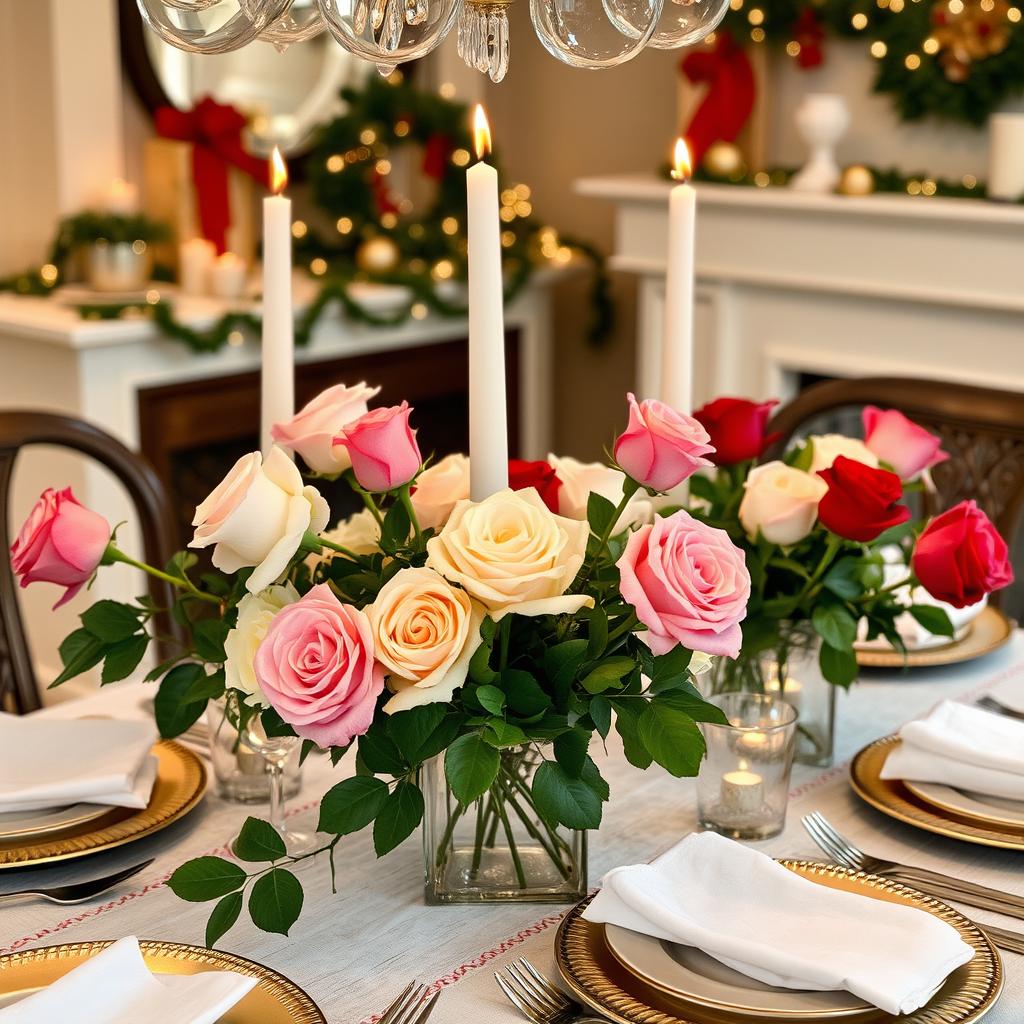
point(498, 848)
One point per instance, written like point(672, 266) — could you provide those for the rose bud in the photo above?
point(383, 448)
point(861, 502)
point(737, 428)
point(905, 446)
point(541, 476)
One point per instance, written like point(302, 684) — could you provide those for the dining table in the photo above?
point(354, 950)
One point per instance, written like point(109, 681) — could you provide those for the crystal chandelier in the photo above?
point(589, 34)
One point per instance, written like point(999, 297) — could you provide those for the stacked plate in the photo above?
point(28, 838)
point(959, 814)
point(635, 979)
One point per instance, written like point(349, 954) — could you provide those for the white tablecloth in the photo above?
point(353, 952)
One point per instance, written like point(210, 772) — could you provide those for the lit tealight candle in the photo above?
point(742, 791)
point(753, 742)
point(228, 276)
point(121, 198)
point(195, 261)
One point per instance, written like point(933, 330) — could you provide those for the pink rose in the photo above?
point(904, 445)
point(661, 447)
point(316, 668)
point(61, 542)
point(438, 489)
point(383, 448)
point(312, 430)
point(688, 583)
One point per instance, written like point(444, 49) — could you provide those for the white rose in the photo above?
point(255, 613)
point(581, 479)
point(359, 533)
point(781, 502)
point(257, 516)
point(424, 633)
point(438, 488)
point(512, 554)
point(828, 447)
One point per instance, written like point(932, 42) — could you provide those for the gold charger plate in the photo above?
point(179, 786)
point(892, 797)
point(988, 631)
point(274, 1000)
point(600, 982)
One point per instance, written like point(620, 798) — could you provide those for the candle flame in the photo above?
point(682, 168)
point(278, 172)
point(481, 132)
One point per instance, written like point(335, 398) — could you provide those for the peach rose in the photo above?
point(512, 554)
point(255, 614)
point(438, 488)
point(905, 446)
point(660, 448)
point(383, 449)
point(580, 479)
point(828, 448)
point(688, 583)
point(312, 430)
point(257, 516)
point(316, 668)
point(781, 502)
point(424, 633)
point(60, 542)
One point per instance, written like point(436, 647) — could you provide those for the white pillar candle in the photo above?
point(121, 198)
point(1006, 156)
point(677, 336)
point(742, 792)
point(228, 276)
point(195, 260)
point(277, 375)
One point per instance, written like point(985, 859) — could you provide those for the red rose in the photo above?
point(736, 426)
point(960, 557)
point(860, 503)
point(541, 475)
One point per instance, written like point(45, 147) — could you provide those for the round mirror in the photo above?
point(285, 93)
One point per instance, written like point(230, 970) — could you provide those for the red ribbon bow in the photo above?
point(215, 131)
point(810, 34)
point(730, 97)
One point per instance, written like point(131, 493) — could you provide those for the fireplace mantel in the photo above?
point(791, 284)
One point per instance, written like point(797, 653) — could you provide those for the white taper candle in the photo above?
point(677, 336)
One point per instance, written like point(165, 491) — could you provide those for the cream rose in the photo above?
point(512, 554)
point(424, 633)
point(781, 502)
point(438, 488)
point(580, 479)
point(255, 613)
point(257, 516)
point(359, 533)
point(828, 447)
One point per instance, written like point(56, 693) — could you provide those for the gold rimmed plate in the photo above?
point(992, 810)
point(179, 786)
point(892, 797)
point(603, 983)
point(274, 1000)
point(987, 632)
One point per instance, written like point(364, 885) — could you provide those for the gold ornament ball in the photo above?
point(377, 255)
point(857, 180)
point(724, 160)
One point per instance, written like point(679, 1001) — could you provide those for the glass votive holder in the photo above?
point(743, 785)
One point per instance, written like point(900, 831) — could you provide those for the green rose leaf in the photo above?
point(396, 528)
point(111, 621)
point(470, 765)
point(180, 563)
point(839, 667)
point(398, 818)
point(351, 805)
point(561, 663)
point(563, 800)
point(593, 778)
point(523, 694)
point(79, 652)
point(693, 705)
point(209, 636)
point(224, 915)
point(571, 751)
point(206, 878)
point(499, 733)
point(600, 513)
point(123, 658)
point(206, 687)
point(379, 752)
point(669, 668)
point(491, 699)
point(835, 625)
point(600, 711)
point(935, 620)
point(672, 737)
point(597, 621)
point(843, 579)
point(627, 725)
point(259, 841)
point(174, 715)
point(608, 673)
point(423, 732)
point(275, 901)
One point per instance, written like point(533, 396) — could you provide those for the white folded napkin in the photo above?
point(757, 917)
point(50, 763)
point(116, 987)
point(962, 746)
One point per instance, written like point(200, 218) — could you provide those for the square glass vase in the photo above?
point(498, 849)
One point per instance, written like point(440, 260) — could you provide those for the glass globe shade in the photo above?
point(388, 32)
point(301, 21)
point(581, 33)
point(682, 22)
point(202, 27)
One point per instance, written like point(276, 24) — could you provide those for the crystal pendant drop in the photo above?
point(484, 37)
point(360, 16)
point(415, 12)
point(384, 70)
point(378, 9)
point(391, 32)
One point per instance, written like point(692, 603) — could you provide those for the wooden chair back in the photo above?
point(19, 689)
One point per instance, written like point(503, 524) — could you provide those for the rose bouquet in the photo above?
point(834, 554)
point(466, 650)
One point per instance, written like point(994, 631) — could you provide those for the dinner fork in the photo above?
point(537, 999)
point(413, 1005)
point(67, 895)
point(844, 852)
point(991, 704)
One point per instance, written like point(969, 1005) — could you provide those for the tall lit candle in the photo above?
point(488, 423)
point(277, 377)
point(677, 337)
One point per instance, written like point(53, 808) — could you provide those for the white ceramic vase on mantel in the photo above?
point(822, 118)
